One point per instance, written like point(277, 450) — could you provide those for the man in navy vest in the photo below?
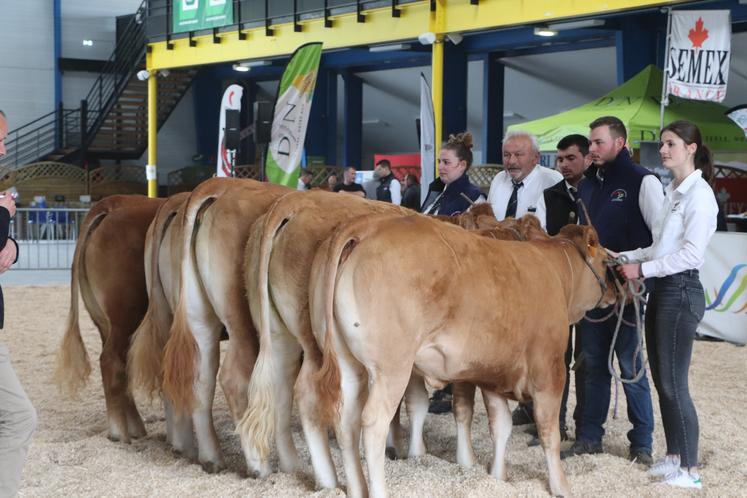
point(389, 189)
point(624, 201)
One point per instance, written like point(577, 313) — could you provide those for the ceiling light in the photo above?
point(584, 23)
point(244, 66)
point(240, 68)
point(544, 31)
point(428, 38)
point(143, 74)
point(389, 48)
point(88, 43)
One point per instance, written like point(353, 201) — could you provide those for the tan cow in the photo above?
point(216, 225)
point(108, 270)
point(163, 245)
point(465, 308)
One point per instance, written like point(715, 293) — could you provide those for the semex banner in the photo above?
point(291, 116)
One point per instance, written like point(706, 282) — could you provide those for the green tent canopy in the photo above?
point(636, 103)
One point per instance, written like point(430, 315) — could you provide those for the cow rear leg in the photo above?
point(384, 397)
point(546, 413)
point(499, 417)
point(120, 409)
point(179, 430)
point(464, 402)
point(207, 337)
point(416, 398)
point(352, 388)
point(395, 442)
point(316, 435)
point(287, 359)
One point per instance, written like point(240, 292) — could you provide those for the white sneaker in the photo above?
point(664, 467)
point(683, 479)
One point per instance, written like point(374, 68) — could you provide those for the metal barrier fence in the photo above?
point(46, 237)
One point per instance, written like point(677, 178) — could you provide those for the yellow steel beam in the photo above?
point(436, 25)
point(380, 27)
point(462, 16)
point(150, 168)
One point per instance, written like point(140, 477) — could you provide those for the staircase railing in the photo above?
point(71, 128)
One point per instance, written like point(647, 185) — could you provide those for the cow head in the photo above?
point(595, 286)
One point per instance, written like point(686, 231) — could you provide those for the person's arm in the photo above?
point(396, 190)
point(650, 201)
point(8, 255)
point(700, 225)
point(541, 212)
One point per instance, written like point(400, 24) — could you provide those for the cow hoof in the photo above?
point(118, 439)
point(391, 453)
point(212, 467)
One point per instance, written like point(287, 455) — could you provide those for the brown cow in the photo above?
point(216, 225)
point(163, 246)
point(466, 308)
point(108, 270)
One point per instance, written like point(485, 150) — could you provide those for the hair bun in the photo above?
point(463, 139)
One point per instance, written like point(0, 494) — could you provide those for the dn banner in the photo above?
point(724, 279)
point(191, 15)
point(231, 101)
point(291, 116)
point(698, 55)
point(427, 136)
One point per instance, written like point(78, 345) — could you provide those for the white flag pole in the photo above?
point(665, 77)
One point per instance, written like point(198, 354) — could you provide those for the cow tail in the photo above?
point(144, 359)
point(180, 353)
point(327, 379)
point(257, 425)
point(73, 366)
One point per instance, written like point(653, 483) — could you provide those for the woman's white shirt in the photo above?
point(682, 233)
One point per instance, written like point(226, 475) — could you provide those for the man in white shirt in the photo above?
point(389, 188)
point(517, 189)
point(304, 180)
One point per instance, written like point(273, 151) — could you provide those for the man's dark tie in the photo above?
point(573, 191)
point(513, 200)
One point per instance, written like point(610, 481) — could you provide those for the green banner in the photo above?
point(291, 116)
point(192, 15)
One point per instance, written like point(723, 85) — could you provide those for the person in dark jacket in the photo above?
point(17, 415)
point(451, 194)
point(389, 188)
point(411, 195)
point(624, 202)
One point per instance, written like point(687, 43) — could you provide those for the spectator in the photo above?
point(624, 201)
point(17, 415)
point(304, 180)
point(677, 302)
point(332, 182)
point(411, 196)
point(389, 189)
point(348, 184)
point(517, 189)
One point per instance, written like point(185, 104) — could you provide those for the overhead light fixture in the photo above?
point(455, 38)
point(245, 66)
point(584, 23)
point(544, 31)
point(88, 43)
point(143, 74)
point(428, 38)
point(390, 47)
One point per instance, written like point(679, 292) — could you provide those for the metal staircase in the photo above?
point(112, 121)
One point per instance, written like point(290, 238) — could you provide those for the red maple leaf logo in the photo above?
point(698, 35)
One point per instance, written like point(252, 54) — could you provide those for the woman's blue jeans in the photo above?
point(675, 307)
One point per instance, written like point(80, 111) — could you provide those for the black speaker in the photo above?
point(263, 112)
point(233, 129)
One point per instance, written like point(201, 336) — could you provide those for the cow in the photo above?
point(278, 261)
point(108, 271)
point(144, 361)
point(215, 226)
point(466, 309)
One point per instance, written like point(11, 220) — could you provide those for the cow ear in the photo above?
point(592, 241)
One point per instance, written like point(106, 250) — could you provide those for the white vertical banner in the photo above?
point(724, 279)
point(427, 139)
point(231, 100)
point(698, 54)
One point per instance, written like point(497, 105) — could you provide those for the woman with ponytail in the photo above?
point(446, 194)
point(677, 303)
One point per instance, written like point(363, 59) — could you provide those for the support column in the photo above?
point(330, 125)
point(206, 95)
point(315, 143)
point(455, 90)
point(636, 45)
point(248, 150)
point(493, 89)
point(353, 137)
point(150, 168)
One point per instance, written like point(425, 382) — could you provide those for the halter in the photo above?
point(600, 280)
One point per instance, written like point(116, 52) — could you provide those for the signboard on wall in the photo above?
point(193, 15)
